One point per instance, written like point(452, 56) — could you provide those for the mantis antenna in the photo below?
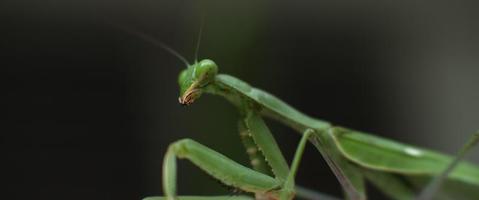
point(156, 42)
point(199, 37)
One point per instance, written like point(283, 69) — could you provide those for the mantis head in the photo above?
point(194, 79)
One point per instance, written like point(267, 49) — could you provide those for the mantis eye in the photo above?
point(205, 71)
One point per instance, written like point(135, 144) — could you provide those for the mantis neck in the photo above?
point(243, 96)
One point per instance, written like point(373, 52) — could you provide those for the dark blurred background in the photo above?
point(89, 110)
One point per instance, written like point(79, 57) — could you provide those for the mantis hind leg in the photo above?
point(215, 164)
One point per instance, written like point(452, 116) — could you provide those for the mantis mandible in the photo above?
point(400, 171)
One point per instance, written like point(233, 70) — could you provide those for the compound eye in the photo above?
point(206, 70)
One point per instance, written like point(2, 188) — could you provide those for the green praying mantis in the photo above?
point(400, 171)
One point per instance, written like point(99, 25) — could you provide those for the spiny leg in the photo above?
point(267, 145)
point(256, 158)
point(264, 140)
point(349, 176)
point(215, 164)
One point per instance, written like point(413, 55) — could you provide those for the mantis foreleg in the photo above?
point(256, 158)
point(267, 145)
point(265, 141)
point(233, 174)
point(215, 164)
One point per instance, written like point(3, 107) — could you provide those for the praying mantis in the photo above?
point(400, 171)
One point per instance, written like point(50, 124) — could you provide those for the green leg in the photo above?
point(348, 175)
point(433, 187)
point(267, 145)
point(215, 164)
point(257, 160)
point(287, 192)
point(255, 130)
